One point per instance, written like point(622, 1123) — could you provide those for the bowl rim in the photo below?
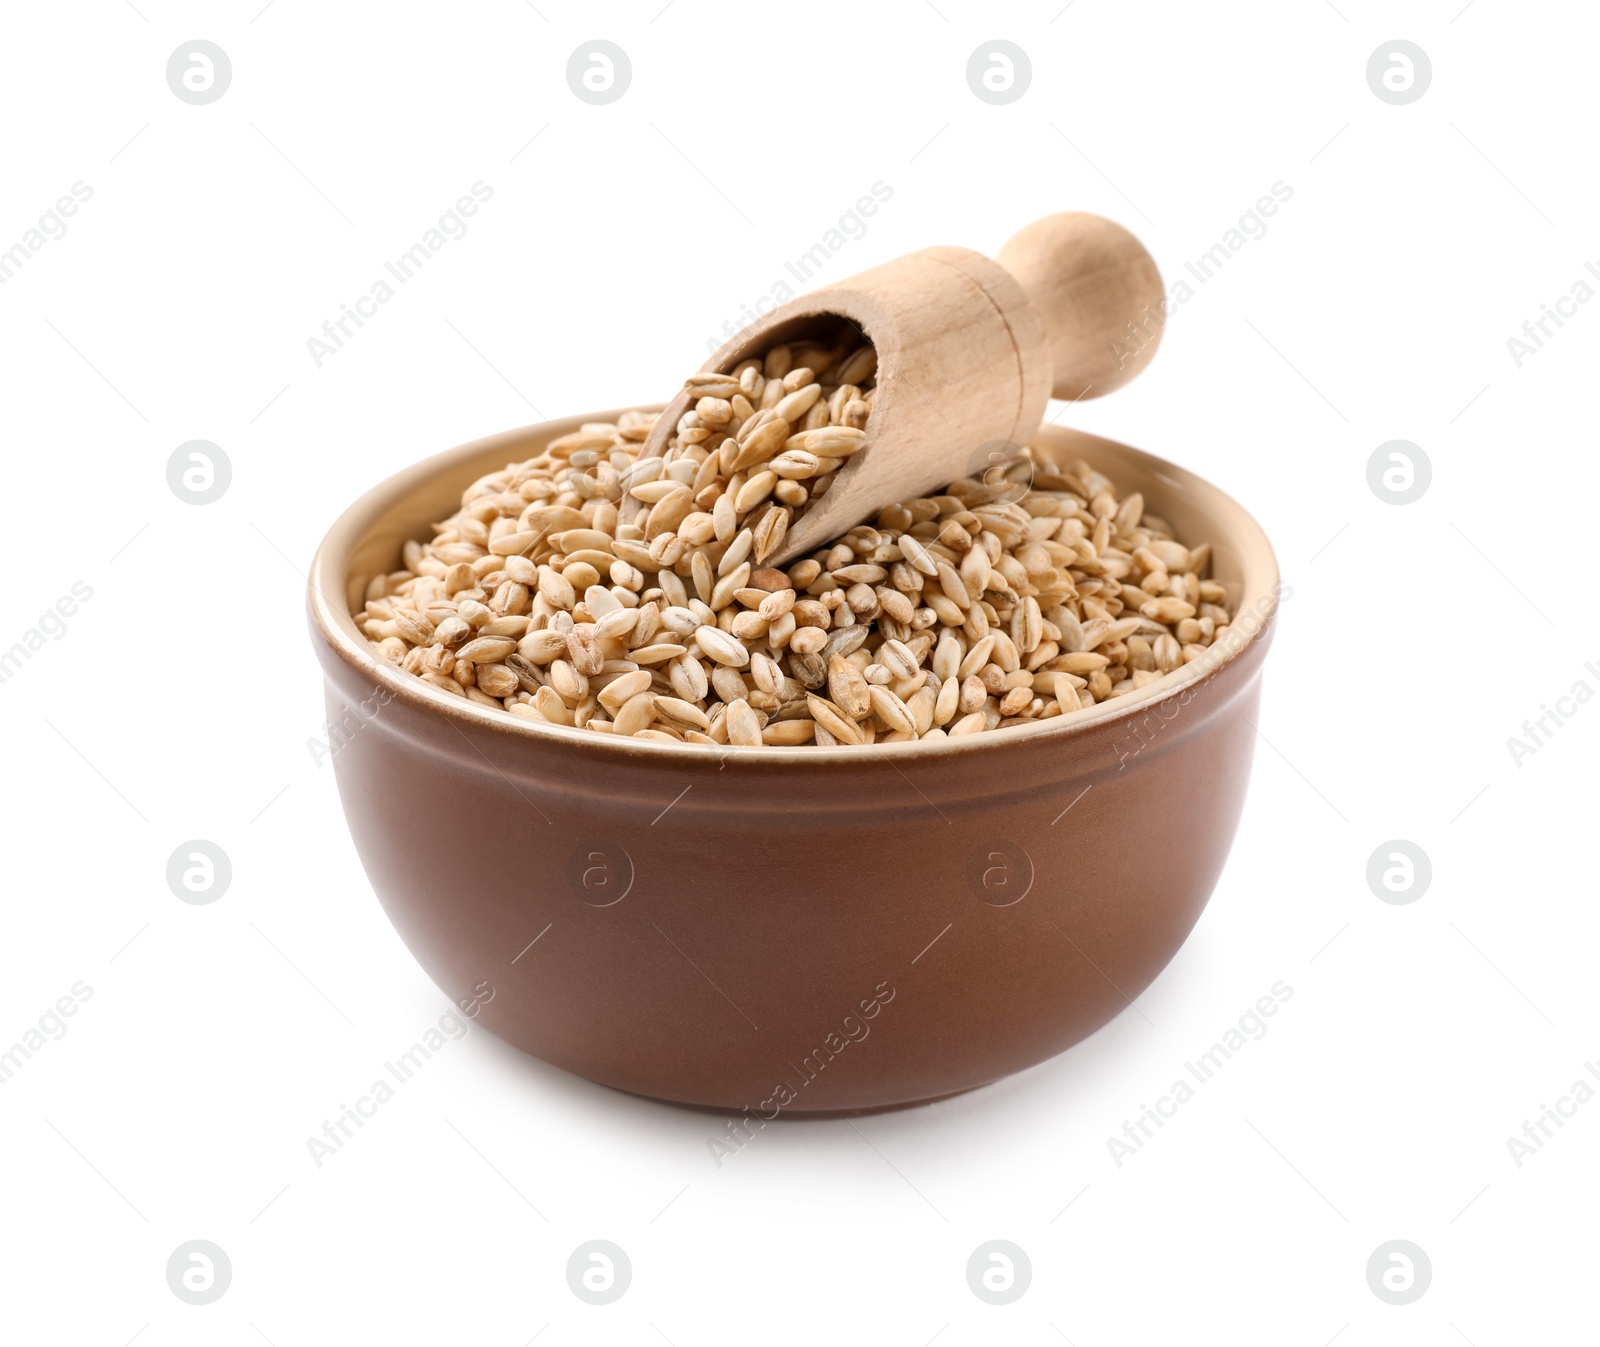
point(326, 589)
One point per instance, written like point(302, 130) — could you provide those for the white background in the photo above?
point(179, 702)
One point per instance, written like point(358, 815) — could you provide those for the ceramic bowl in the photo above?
point(791, 930)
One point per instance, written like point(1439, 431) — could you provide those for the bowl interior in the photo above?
point(367, 539)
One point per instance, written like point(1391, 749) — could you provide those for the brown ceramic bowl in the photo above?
point(791, 930)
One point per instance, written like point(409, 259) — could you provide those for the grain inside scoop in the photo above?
point(969, 350)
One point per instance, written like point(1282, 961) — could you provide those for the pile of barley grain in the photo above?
point(590, 587)
point(759, 444)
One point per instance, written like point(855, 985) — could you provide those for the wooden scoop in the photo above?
point(969, 352)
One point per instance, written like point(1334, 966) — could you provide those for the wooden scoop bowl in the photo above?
point(969, 349)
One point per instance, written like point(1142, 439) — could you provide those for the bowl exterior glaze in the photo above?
point(787, 931)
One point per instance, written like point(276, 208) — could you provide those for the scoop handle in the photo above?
point(1099, 294)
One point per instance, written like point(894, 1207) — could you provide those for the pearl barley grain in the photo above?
point(589, 587)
